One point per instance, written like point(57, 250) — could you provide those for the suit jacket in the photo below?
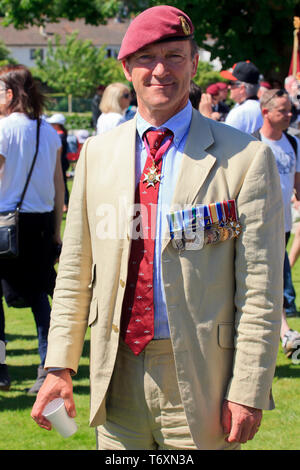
point(224, 301)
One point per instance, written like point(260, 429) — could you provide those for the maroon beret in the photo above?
point(266, 85)
point(222, 85)
point(213, 89)
point(155, 24)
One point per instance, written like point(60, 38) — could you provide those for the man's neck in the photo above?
point(270, 132)
point(157, 117)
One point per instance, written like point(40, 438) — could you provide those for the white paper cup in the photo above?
point(57, 414)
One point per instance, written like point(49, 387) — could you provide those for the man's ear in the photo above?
point(126, 70)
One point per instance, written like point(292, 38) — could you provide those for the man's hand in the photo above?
point(57, 384)
point(205, 105)
point(240, 422)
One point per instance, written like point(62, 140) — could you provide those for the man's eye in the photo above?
point(145, 57)
point(175, 57)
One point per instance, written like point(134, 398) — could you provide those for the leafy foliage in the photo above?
point(256, 30)
point(5, 57)
point(21, 13)
point(206, 75)
point(76, 67)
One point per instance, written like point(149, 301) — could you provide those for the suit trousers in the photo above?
point(143, 403)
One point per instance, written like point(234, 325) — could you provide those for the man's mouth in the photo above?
point(161, 85)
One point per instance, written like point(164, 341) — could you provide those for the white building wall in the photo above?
point(24, 54)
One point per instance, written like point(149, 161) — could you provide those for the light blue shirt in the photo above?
point(179, 125)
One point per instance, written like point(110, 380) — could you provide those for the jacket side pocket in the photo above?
point(226, 334)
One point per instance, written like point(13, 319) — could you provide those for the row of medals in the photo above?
point(213, 233)
point(192, 239)
point(222, 231)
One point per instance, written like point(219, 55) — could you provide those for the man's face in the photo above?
point(279, 115)
point(293, 87)
point(223, 94)
point(237, 92)
point(215, 99)
point(161, 75)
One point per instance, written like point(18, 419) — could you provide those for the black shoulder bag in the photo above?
point(9, 221)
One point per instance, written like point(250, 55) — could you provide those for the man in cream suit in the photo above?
point(193, 367)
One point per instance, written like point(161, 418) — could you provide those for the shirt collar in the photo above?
point(179, 124)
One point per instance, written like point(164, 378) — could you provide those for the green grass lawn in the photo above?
point(280, 428)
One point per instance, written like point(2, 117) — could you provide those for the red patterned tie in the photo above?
point(137, 322)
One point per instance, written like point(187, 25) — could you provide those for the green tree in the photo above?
point(76, 67)
point(206, 75)
point(5, 57)
point(256, 30)
point(21, 13)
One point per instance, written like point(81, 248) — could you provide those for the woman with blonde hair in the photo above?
point(114, 102)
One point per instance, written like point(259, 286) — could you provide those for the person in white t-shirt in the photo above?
point(114, 102)
point(29, 279)
point(244, 84)
point(276, 110)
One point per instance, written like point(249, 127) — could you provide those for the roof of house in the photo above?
point(111, 33)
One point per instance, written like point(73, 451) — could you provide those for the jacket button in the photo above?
point(115, 328)
point(122, 283)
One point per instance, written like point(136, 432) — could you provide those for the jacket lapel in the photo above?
point(195, 167)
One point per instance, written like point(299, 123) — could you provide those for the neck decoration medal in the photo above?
point(155, 153)
point(152, 177)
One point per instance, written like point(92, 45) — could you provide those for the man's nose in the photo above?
point(160, 67)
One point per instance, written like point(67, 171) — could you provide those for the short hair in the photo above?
point(268, 98)
point(251, 89)
point(27, 97)
point(110, 102)
point(194, 47)
point(195, 95)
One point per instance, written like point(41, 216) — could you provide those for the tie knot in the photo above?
point(155, 139)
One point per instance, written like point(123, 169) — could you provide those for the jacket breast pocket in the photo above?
point(93, 311)
point(226, 334)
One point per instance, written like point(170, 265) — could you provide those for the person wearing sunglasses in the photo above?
point(276, 109)
point(115, 100)
point(244, 84)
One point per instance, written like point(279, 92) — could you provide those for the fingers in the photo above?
point(242, 434)
point(58, 384)
point(70, 406)
point(244, 422)
point(37, 411)
point(226, 418)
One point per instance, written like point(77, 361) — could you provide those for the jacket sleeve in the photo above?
point(72, 295)
point(259, 283)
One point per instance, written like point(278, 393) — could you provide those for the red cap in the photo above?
point(222, 85)
point(155, 24)
point(213, 89)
